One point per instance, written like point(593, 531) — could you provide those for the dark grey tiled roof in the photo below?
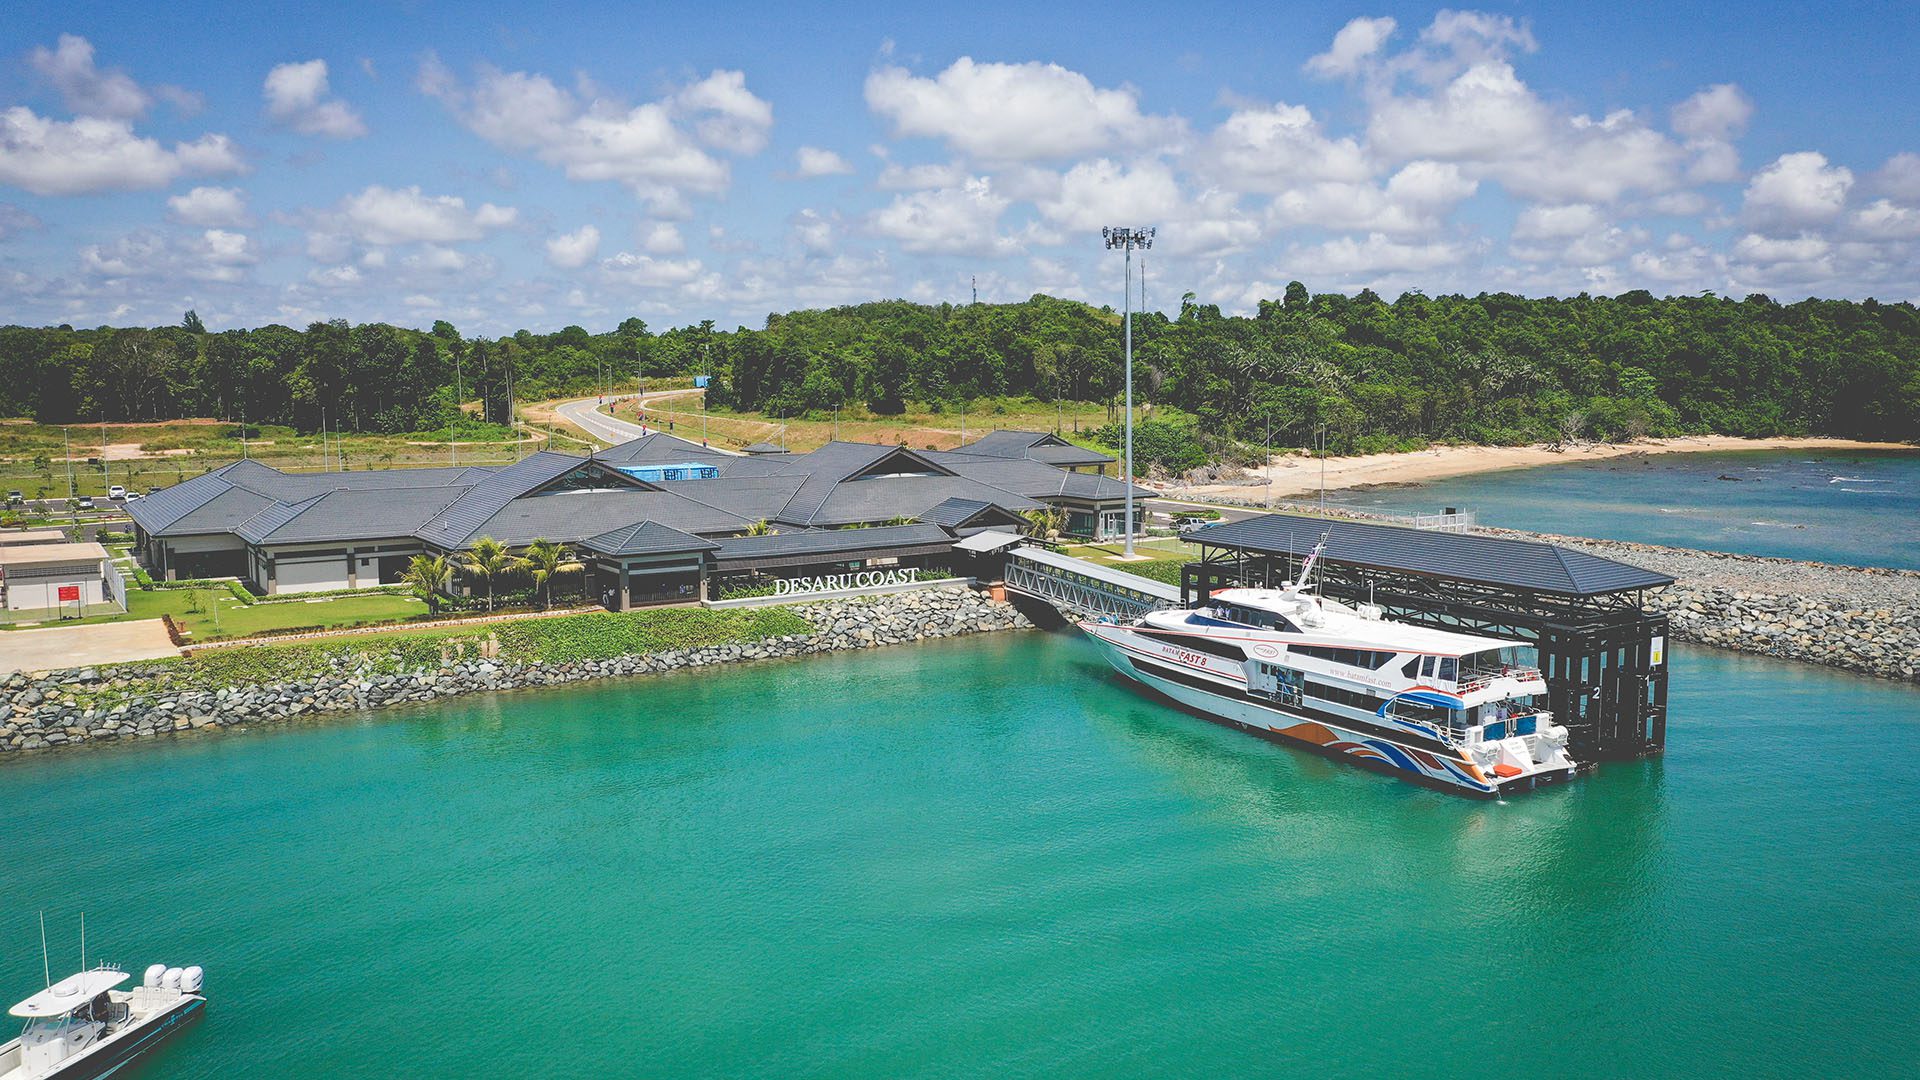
point(835, 463)
point(158, 512)
point(657, 448)
point(755, 498)
point(831, 541)
point(464, 517)
point(576, 516)
point(1035, 445)
point(223, 513)
point(765, 448)
point(954, 511)
point(646, 538)
point(1035, 479)
point(883, 498)
point(350, 515)
point(1488, 560)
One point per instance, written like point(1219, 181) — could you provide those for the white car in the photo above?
point(118, 493)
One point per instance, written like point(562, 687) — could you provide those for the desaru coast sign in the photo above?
point(860, 579)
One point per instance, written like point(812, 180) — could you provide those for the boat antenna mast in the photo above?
point(46, 965)
point(1313, 558)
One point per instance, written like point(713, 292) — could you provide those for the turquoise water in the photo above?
point(987, 857)
point(1861, 508)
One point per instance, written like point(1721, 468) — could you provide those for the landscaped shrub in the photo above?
point(604, 635)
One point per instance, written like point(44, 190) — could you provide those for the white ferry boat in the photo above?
point(82, 1027)
point(1453, 710)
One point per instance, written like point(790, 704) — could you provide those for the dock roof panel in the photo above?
point(1500, 561)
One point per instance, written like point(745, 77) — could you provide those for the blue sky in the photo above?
point(539, 165)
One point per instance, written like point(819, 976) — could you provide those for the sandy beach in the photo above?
point(1294, 475)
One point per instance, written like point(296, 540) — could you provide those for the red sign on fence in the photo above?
point(69, 594)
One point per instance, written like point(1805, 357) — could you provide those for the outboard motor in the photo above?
point(191, 979)
point(153, 977)
point(171, 980)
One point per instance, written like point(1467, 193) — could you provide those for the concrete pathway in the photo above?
point(84, 646)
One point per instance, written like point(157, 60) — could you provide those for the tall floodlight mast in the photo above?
point(1127, 239)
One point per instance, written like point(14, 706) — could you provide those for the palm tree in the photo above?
point(759, 528)
point(1046, 524)
point(427, 576)
point(487, 559)
point(543, 560)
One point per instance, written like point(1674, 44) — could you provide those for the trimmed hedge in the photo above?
point(604, 635)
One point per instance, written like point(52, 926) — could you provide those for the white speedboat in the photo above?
point(1452, 710)
point(82, 1027)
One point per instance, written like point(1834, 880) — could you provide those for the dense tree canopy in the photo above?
point(1488, 368)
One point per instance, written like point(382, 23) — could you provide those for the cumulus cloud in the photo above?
point(296, 96)
point(91, 154)
point(1377, 253)
point(574, 249)
point(646, 271)
point(1273, 148)
point(1357, 43)
point(811, 161)
point(1414, 200)
point(917, 177)
point(210, 206)
point(661, 150)
point(1720, 113)
point(1900, 177)
point(999, 112)
point(382, 215)
point(14, 221)
point(86, 89)
point(215, 255)
point(662, 238)
point(963, 220)
point(1796, 190)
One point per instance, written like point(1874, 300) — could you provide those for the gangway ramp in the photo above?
point(1085, 588)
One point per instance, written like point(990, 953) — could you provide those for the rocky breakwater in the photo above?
point(1864, 619)
point(131, 701)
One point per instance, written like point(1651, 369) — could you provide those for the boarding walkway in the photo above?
point(1079, 587)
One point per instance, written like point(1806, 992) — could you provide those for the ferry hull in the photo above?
point(1222, 703)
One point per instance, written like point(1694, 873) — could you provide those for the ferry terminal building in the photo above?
point(655, 520)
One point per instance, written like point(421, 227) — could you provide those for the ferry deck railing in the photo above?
point(1084, 588)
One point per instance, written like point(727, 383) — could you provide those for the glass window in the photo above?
point(1449, 669)
point(1426, 665)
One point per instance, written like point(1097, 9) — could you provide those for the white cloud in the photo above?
point(813, 232)
point(1378, 253)
point(1414, 200)
point(1557, 222)
point(1797, 189)
point(918, 177)
point(1357, 42)
point(215, 255)
point(1884, 219)
point(87, 90)
point(14, 221)
point(659, 150)
point(998, 112)
point(574, 249)
point(296, 96)
point(89, 154)
point(1270, 149)
point(1719, 113)
point(1102, 192)
point(811, 161)
point(210, 206)
point(962, 220)
point(383, 215)
point(662, 238)
point(1900, 177)
point(644, 270)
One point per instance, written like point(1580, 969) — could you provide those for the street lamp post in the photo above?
point(1127, 239)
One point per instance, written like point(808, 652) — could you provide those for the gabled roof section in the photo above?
point(1035, 479)
point(1035, 446)
point(655, 448)
point(574, 516)
point(1506, 562)
point(261, 525)
point(646, 538)
point(826, 542)
point(958, 513)
point(838, 463)
point(908, 497)
point(158, 512)
point(461, 520)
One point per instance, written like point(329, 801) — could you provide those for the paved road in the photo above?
point(585, 414)
point(83, 646)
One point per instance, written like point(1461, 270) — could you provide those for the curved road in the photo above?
point(585, 414)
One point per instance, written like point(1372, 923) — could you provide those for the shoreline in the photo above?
point(1295, 475)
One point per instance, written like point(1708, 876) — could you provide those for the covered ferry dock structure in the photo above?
point(1602, 652)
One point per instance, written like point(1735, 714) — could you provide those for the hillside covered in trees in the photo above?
point(1489, 368)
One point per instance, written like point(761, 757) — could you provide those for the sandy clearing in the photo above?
point(84, 646)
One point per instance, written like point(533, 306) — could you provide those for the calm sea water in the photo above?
point(1861, 508)
point(987, 858)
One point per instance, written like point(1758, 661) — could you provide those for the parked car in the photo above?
point(85, 502)
point(153, 491)
point(118, 493)
point(1193, 525)
point(16, 498)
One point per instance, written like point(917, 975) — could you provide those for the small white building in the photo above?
point(47, 576)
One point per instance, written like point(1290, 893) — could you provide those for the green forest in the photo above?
point(1493, 368)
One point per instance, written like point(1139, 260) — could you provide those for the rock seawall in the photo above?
point(69, 707)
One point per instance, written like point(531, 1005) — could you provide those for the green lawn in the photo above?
point(221, 616)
